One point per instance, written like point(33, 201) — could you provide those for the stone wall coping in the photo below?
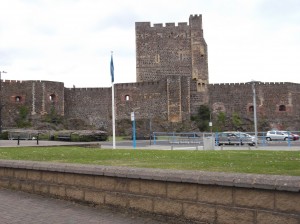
point(256, 181)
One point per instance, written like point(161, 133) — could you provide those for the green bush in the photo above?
point(4, 135)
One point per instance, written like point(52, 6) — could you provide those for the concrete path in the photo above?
point(23, 208)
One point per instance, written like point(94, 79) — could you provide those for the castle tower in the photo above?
point(167, 50)
point(163, 52)
point(198, 53)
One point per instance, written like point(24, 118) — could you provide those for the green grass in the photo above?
point(245, 161)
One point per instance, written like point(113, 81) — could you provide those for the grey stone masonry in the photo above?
point(258, 181)
point(187, 196)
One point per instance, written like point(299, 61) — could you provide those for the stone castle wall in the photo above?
point(38, 97)
point(92, 105)
point(277, 103)
point(172, 75)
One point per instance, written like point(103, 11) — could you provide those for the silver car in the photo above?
point(278, 135)
point(234, 138)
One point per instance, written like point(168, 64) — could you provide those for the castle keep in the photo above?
point(172, 82)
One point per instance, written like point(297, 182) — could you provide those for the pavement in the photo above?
point(144, 144)
point(18, 207)
point(23, 208)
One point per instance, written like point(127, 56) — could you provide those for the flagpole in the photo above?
point(113, 100)
point(113, 116)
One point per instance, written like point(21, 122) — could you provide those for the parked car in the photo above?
point(278, 135)
point(295, 136)
point(246, 138)
point(234, 138)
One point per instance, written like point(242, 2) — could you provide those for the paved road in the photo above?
point(161, 145)
point(23, 208)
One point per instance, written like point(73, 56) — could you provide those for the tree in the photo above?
point(236, 120)
point(202, 118)
point(221, 121)
point(22, 120)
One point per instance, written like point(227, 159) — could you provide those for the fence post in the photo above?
point(18, 139)
point(37, 139)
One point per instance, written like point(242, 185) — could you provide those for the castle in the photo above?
point(172, 82)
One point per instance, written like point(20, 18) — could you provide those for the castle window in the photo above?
point(52, 97)
point(251, 109)
point(18, 99)
point(157, 58)
point(282, 108)
point(127, 98)
point(181, 57)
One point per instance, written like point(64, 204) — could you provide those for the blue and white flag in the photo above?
point(112, 69)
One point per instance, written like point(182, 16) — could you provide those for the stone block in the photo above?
point(287, 202)
point(74, 193)
point(254, 198)
point(1, 172)
point(27, 186)
point(274, 218)
point(215, 194)
point(41, 188)
point(57, 190)
point(60, 178)
point(50, 177)
point(182, 191)
point(167, 207)
point(116, 200)
point(141, 203)
point(8, 172)
point(69, 179)
point(154, 188)
point(4, 183)
point(84, 180)
point(20, 174)
point(15, 185)
point(134, 186)
point(105, 183)
point(95, 197)
point(200, 212)
point(34, 175)
point(121, 184)
point(235, 216)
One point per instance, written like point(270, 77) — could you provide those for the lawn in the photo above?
point(243, 161)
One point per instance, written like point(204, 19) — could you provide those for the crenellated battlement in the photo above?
point(196, 16)
point(143, 25)
point(89, 89)
point(250, 83)
point(136, 84)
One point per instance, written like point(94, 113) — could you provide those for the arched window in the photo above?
point(18, 99)
point(52, 97)
point(251, 109)
point(282, 108)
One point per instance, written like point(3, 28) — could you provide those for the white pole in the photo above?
point(113, 100)
point(113, 115)
point(254, 112)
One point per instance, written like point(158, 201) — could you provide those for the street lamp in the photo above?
point(133, 130)
point(132, 115)
point(254, 111)
point(1, 101)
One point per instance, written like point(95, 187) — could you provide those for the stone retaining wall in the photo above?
point(195, 196)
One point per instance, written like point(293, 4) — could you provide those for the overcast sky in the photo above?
point(71, 41)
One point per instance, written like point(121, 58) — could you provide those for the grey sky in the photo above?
point(70, 40)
